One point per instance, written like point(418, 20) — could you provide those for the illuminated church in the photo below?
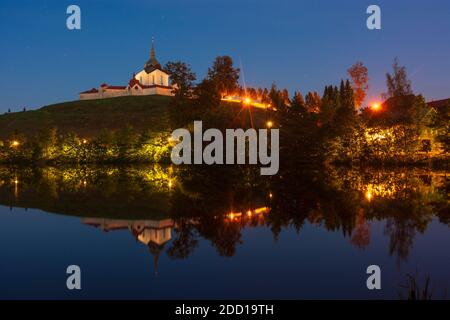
point(149, 81)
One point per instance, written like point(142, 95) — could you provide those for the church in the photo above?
point(149, 81)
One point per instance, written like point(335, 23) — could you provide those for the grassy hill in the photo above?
point(87, 117)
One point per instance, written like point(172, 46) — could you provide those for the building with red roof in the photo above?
point(152, 80)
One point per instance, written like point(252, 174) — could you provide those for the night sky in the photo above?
point(296, 44)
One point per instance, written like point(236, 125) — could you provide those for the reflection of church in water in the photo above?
point(152, 233)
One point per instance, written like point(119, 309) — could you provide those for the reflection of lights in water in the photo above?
point(380, 190)
point(233, 216)
point(16, 188)
point(262, 210)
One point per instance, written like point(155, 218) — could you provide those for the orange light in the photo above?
point(84, 141)
point(247, 101)
point(249, 213)
point(269, 124)
point(376, 106)
point(15, 143)
point(170, 184)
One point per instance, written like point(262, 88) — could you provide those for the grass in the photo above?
point(87, 117)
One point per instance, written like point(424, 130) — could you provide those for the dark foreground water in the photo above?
point(159, 232)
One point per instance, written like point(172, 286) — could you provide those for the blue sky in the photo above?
point(301, 45)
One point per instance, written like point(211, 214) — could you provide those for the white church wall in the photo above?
point(155, 77)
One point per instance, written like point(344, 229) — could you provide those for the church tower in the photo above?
point(153, 63)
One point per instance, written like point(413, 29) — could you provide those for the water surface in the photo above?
point(164, 232)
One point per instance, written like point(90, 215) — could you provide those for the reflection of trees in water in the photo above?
point(218, 203)
point(401, 235)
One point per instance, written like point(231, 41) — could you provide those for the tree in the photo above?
point(276, 97)
point(298, 102)
point(285, 96)
point(265, 96)
point(329, 104)
point(360, 78)
point(441, 124)
point(224, 75)
point(182, 76)
point(398, 83)
point(313, 101)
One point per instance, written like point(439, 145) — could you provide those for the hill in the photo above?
point(87, 117)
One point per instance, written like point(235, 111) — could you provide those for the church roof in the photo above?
point(93, 90)
point(439, 103)
point(152, 63)
point(116, 87)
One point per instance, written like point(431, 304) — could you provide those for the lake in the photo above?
point(166, 232)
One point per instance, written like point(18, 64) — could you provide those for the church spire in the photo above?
point(152, 63)
point(152, 50)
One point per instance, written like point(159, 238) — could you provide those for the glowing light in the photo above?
point(376, 106)
point(249, 213)
point(85, 141)
point(247, 101)
point(369, 196)
point(270, 195)
point(262, 210)
point(16, 181)
point(269, 124)
point(170, 184)
point(15, 143)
